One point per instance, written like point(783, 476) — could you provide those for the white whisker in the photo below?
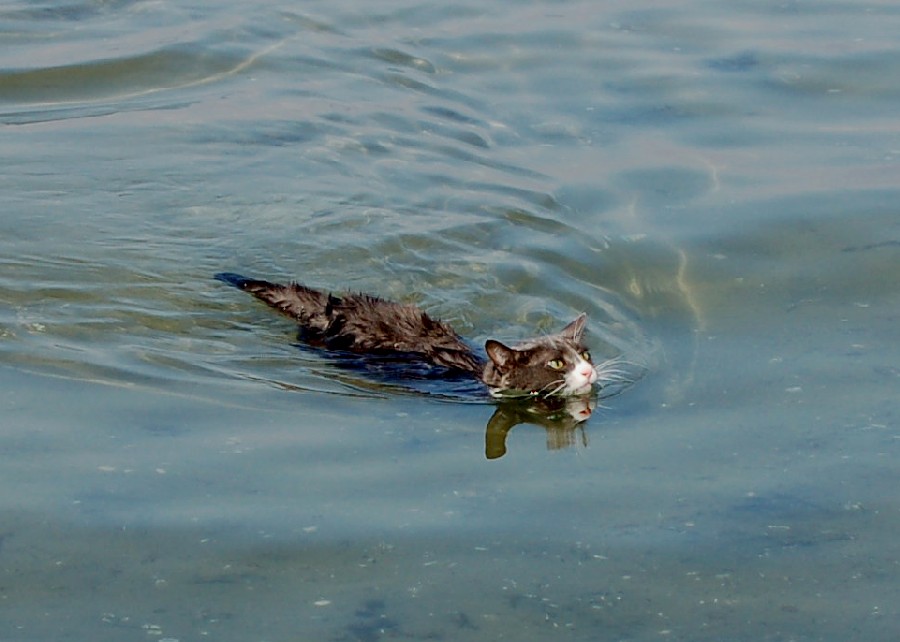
point(616, 370)
point(560, 384)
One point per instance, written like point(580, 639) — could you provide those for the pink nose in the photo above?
point(586, 371)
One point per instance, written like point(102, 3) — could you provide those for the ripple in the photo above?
point(402, 59)
point(115, 80)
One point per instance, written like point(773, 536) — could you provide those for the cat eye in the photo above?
point(556, 364)
point(586, 356)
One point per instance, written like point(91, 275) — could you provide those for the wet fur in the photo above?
point(366, 324)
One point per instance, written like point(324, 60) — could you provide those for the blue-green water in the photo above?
point(716, 185)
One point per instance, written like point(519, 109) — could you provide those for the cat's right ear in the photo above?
point(500, 354)
point(575, 329)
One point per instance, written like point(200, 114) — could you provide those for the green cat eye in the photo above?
point(557, 364)
point(586, 356)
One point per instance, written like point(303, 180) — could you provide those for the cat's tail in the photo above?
point(237, 280)
point(257, 287)
point(309, 307)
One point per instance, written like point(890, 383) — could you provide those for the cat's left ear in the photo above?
point(575, 329)
point(500, 354)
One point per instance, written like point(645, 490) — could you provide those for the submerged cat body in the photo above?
point(552, 365)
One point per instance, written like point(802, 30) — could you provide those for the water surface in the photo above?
point(716, 186)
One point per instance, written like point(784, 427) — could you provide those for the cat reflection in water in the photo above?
point(557, 365)
point(562, 418)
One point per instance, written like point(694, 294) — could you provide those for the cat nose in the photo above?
point(588, 371)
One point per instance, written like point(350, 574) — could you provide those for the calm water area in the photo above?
point(716, 184)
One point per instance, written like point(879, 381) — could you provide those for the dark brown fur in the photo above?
point(363, 323)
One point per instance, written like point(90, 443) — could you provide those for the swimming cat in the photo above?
point(554, 365)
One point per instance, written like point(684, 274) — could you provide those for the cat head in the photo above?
point(558, 364)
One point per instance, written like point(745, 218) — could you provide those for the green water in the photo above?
point(716, 186)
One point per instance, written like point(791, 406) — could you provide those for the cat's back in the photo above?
point(377, 325)
point(362, 323)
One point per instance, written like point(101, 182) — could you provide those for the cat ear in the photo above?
point(575, 329)
point(500, 354)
